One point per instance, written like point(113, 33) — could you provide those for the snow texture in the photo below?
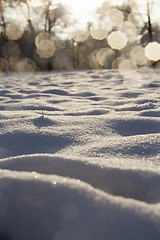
point(80, 155)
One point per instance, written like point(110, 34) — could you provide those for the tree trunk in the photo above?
point(150, 30)
point(2, 16)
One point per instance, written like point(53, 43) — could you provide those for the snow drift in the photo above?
point(79, 155)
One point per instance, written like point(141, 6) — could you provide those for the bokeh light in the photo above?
point(127, 64)
point(40, 41)
point(117, 61)
point(80, 35)
point(117, 40)
point(14, 31)
point(136, 19)
point(13, 62)
point(152, 51)
point(45, 45)
point(11, 48)
point(98, 31)
point(115, 17)
point(26, 65)
point(138, 56)
point(29, 44)
point(46, 54)
point(93, 60)
point(129, 29)
point(104, 56)
point(105, 6)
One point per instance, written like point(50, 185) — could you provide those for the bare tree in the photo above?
point(25, 9)
point(2, 17)
point(54, 14)
point(149, 24)
point(28, 14)
point(151, 31)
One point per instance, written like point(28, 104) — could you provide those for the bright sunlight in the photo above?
point(83, 7)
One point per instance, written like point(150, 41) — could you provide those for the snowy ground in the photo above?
point(80, 156)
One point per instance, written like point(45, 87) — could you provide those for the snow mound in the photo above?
point(139, 184)
point(34, 206)
point(80, 155)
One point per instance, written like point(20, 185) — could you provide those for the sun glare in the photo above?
point(80, 8)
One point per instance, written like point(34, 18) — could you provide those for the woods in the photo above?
point(109, 41)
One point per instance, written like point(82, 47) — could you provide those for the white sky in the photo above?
point(82, 9)
point(84, 6)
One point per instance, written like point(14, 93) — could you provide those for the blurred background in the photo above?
point(47, 35)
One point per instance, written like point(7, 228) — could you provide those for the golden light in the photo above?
point(45, 54)
point(13, 62)
point(40, 41)
point(129, 29)
point(105, 6)
point(99, 31)
point(136, 19)
point(26, 65)
point(80, 35)
point(138, 56)
point(14, 31)
point(93, 60)
point(104, 56)
point(117, 40)
point(45, 45)
point(152, 51)
point(115, 17)
point(126, 65)
point(117, 61)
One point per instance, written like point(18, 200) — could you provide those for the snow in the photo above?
point(80, 155)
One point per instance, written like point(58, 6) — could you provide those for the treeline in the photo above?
point(21, 54)
point(24, 49)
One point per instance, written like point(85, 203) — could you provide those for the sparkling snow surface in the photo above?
point(80, 155)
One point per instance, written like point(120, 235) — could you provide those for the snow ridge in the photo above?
point(79, 155)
